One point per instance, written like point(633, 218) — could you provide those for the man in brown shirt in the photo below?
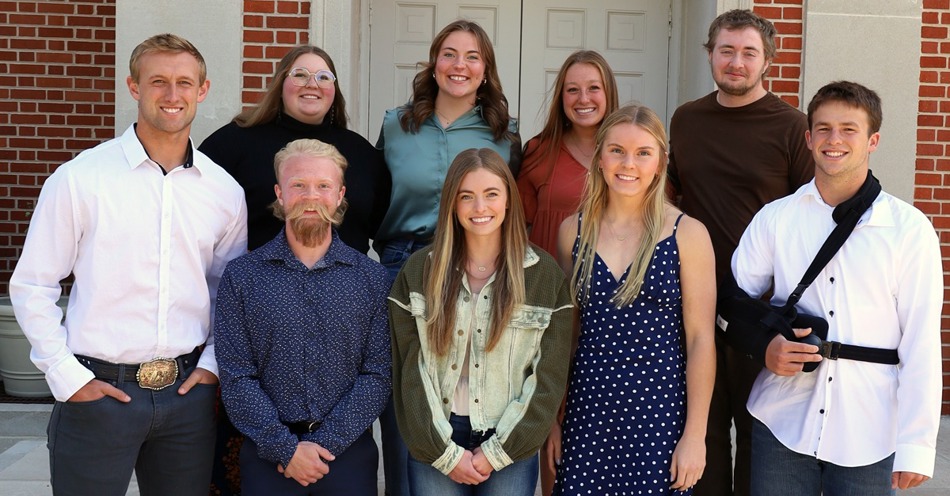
point(731, 152)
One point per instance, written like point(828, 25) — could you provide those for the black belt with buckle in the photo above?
point(834, 350)
point(155, 374)
point(476, 438)
point(305, 427)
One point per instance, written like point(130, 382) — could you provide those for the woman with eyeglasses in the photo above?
point(303, 100)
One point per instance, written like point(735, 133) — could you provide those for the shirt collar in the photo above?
point(137, 155)
point(878, 215)
point(278, 250)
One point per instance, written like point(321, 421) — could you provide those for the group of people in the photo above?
point(548, 310)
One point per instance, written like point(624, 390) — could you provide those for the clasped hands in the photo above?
point(309, 463)
point(472, 469)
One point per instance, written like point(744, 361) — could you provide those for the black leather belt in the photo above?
point(306, 427)
point(108, 371)
point(476, 438)
point(834, 350)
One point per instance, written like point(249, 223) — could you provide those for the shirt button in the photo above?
point(445, 400)
point(831, 313)
point(476, 365)
point(455, 367)
point(461, 332)
point(479, 330)
point(485, 297)
point(829, 379)
point(465, 299)
point(832, 280)
point(822, 411)
point(476, 400)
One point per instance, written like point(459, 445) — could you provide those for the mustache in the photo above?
point(300, 209)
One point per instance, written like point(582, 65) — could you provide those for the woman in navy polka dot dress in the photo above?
point(644, 282)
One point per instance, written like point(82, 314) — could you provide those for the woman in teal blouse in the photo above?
point(457, 103)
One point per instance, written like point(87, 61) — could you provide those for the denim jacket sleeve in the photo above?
point(527, 420)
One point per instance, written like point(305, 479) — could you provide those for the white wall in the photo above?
point(875, 43)
point(213, 26)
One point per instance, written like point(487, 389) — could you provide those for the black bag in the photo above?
point(749, 324)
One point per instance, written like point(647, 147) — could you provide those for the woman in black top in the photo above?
point(303, 100)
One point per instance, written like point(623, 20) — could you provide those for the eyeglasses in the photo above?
point(300, 76)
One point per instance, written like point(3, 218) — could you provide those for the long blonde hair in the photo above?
point(595, 203)
point(444, 271)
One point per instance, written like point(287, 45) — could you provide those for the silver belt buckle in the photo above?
point(157, 374)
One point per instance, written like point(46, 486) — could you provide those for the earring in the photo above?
point(484, 81)
point(433, 75)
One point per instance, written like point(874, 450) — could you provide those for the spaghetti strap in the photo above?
point(677, 223)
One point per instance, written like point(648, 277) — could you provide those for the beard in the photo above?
point(738, 88)
point(310, 230)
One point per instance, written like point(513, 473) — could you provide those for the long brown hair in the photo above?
point(489, 95)
point(595, 203)
point(557, 122)
point(446, 268)
point(272, 104)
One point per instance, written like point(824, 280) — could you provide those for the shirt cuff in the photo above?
point(915, 458)
point(495, 453)
point(449, 459)
point(67, 377)
point(207, 360)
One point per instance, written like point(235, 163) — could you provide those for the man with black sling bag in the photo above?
point(865, 420)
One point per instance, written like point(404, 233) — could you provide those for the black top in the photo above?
point(247, 153)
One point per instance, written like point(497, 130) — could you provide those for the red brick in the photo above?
point(259, 6)
point(88, 21)
point(929, 77)
point(276, 52)
point(936, 4)
point(30, 44)
point(287, 37)
point(55, 7)
point(929, 208)
point(791, 72)
point(928, 179)
point(933, 32)
point(787, 28)
point(792, 13)
point(942, 164)
point(927, 106)
point(26, 31)
point(287, 7)
point(251, 67)
point(305, 8)
point(83, 46)
point(945, 47)
point(84, 71)
point(929, 149)
point(926, 135)
point(253, 21)
point(931, 91)
point(27, 94)
point(924, 194)
point(792, 43)
point(931, 62)
point(27, 19)
point(943, 136)
point(54, 57)
point(257, 36)
point(55, 20)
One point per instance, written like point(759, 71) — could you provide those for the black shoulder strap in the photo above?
point(846, 215)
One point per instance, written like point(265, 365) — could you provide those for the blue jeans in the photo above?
point(518, 479)
point(167, 438)
point(395, 454)
point(779, 471)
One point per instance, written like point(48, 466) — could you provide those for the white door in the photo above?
point(531, 39)
point(633, 35)
point(400, 34)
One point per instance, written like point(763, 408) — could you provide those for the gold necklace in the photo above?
point(575, 147)
point(614, 233)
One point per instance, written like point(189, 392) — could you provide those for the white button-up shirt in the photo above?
point(883, 289)
point(147, 251)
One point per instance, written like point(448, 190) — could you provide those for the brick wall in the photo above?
point(271, 29)
point(784, 78)
point(932, 180)
point(57, 98)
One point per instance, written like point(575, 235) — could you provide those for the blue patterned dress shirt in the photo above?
point(295, 344)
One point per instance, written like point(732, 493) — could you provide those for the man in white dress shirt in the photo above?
point(146, 224)
point(851, 426)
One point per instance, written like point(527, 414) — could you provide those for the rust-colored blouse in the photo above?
point(549, 192)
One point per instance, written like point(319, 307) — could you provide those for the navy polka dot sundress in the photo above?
point(626, 403)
